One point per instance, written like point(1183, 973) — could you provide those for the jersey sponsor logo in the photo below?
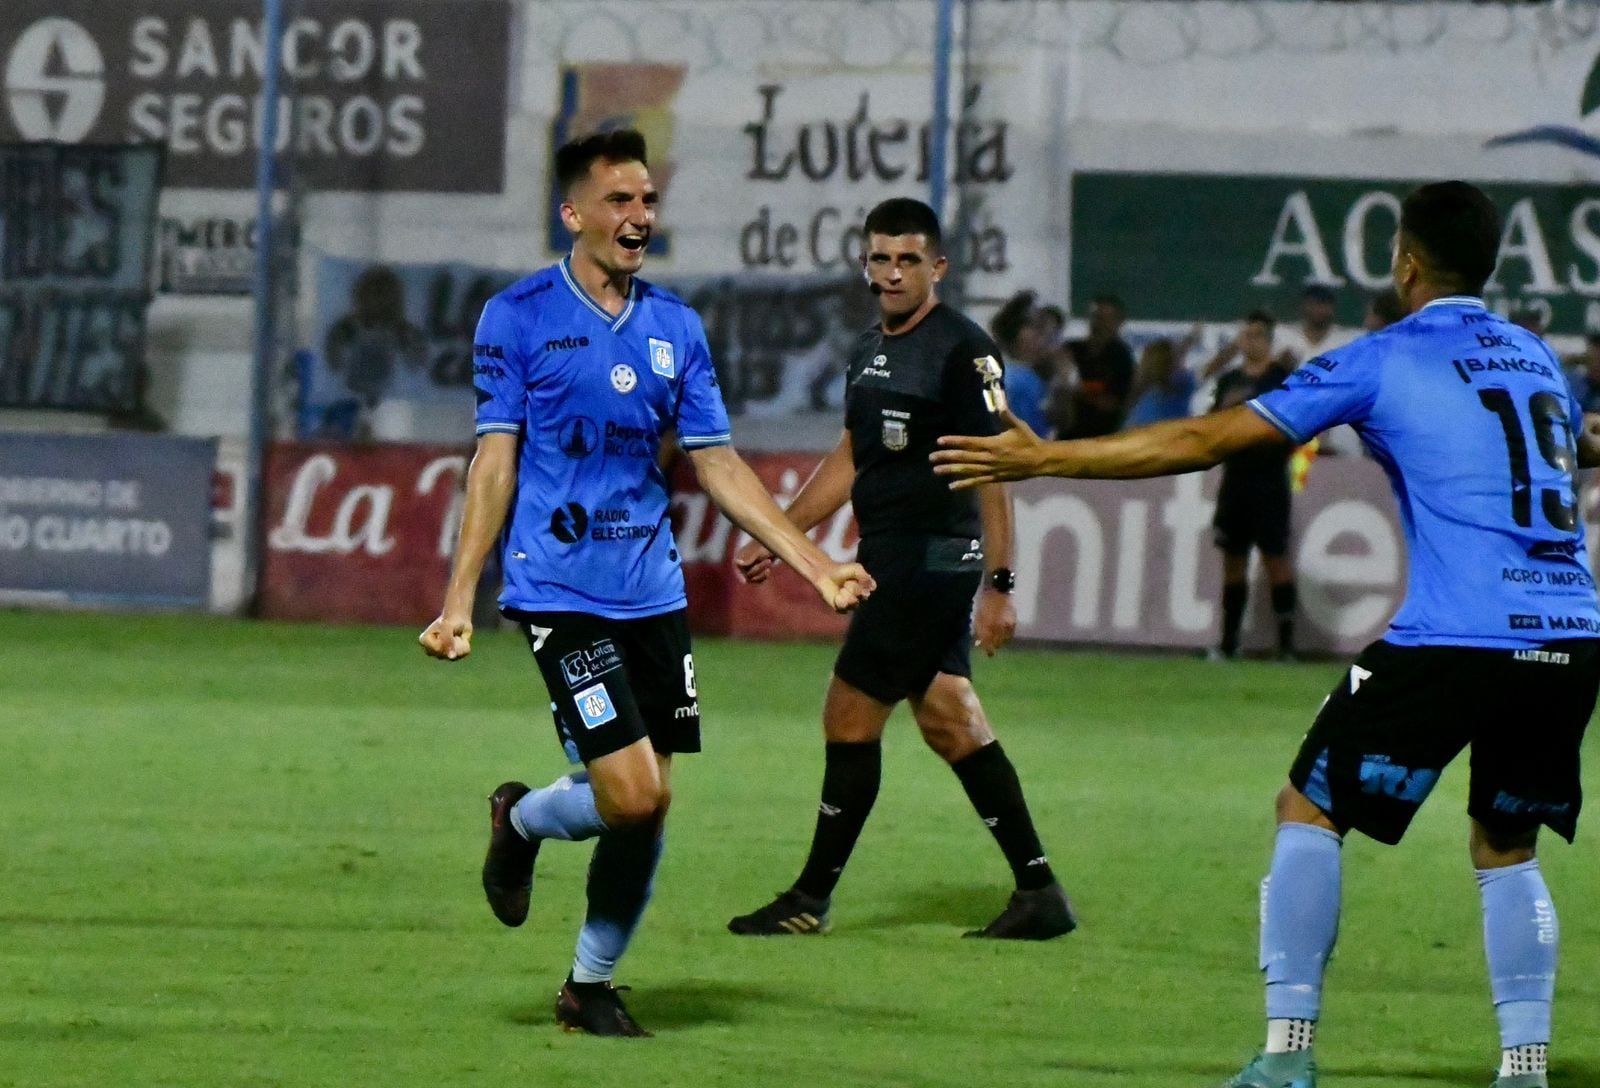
point(1587, 624)
point(567, 343)
point(878, 369)
point(582, 666)
point(896, 435)
point(568, 523)
point(625, 440)
point(623, 378)
point(1468, 367)
point(661, 360)
point(1553, 549)
point(488, 351)
point(1522, 621)
point(579, 437)
point(614, 524)
point(1528, 576)
point(1381, 776)
point(595, 706)
point(1322, 362)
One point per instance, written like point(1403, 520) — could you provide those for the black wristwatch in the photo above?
point(1002, 580)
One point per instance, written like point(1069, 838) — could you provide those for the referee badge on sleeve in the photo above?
point(994, 389)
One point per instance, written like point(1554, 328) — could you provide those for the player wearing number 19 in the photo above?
point(579, 371)
point(1494, 646)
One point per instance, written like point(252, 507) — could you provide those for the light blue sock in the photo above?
point(1521, 938)
point(621, 877)
point(1299, 919)
point(564, 809)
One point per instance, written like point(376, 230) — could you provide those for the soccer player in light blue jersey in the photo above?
point(580, 371)
point(1494, 646)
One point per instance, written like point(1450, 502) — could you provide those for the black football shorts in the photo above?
point(614, 682)
point(1252, 518)
point(1402, 713)
point(918, 622)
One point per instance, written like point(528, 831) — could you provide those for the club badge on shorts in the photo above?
point(661, 360)
point(994, 389)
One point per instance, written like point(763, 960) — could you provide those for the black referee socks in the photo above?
point(992, 785)
point(849, 789)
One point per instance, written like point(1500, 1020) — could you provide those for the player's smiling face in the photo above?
point(904, 269)
point(611, 214)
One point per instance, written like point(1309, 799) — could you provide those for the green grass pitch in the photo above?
point(246, 855)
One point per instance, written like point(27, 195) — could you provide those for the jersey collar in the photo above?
point(1456, 300)
point(616, 322)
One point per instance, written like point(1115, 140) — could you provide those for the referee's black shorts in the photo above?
point(1252, 517)
point(918, 622)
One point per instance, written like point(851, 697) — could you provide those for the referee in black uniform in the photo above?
point(923, 372)
point(1253, 499)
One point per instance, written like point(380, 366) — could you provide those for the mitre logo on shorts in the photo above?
point(55, 81)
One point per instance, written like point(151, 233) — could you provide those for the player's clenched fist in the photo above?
point(447, 637)
point(846, 586)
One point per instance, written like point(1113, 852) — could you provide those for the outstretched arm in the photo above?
point(1161, 449)
point(739, 494)
point(491, 482)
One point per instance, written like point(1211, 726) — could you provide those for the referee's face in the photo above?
point(903, 269)
point(611, 214)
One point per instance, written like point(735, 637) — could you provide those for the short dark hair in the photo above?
point(1113, 301)
point(1054, 313)
point(904, 215)
point(574, 157)
point(1318, 292)
point(1456, 229)
point(1260, 317)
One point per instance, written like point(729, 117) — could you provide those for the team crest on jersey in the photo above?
point(661, 360)
point(623, 378)
point(895, 435)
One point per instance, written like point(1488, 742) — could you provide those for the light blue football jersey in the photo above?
point(590, 396)
point(1473, 422)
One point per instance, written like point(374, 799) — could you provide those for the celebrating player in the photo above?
point(1494, 646)
point(924, 372)
point(579, 370)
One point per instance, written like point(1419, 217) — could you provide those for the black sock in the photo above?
point(1234, 597)
point(991, 784)
point(849, 788)
point(1283, 602)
